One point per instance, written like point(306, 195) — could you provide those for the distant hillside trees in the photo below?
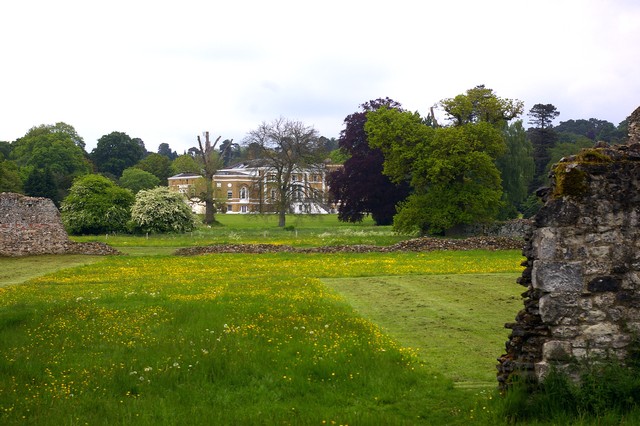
point(516, 167)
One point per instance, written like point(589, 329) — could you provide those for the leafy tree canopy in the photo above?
point(481, 104)
point(49, 147)
point(158, 165)
point(185, 163)
point(96, 205)
point(41, 183)
point(10, 180)
point(5, 149)
point(160, 210)
point(116, 152)
point(360, 186)
point(451, 169)
point(136, 179)
point(49, 158)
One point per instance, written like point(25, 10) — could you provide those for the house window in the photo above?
point(273, 194)
point(243, 193)
point(229, 195)
point(229, 208)
point(218, 184)
point(243, 209)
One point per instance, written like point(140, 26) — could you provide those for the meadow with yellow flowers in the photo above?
point(279, 338)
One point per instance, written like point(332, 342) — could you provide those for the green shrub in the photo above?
point(160, 210)
point(96, 205)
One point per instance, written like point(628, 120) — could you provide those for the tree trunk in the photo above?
point(209, 206)
point(282, 217)
point(209, 218)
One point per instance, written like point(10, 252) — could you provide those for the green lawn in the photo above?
point(301, 231)
point(252, 339)
point(454, 321)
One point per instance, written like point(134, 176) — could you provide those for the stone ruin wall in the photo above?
point(582, 270)
point(32, 226)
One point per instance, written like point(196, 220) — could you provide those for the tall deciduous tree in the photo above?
point(286, 146)
point(116, 152)
point(360, 186)
point(451, 169)
point(209, 162)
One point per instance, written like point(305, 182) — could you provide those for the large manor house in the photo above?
point(250, 187)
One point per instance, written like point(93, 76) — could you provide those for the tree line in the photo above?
point(425, 177)
point(400, 167)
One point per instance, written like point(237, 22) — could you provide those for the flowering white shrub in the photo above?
point(159, 210)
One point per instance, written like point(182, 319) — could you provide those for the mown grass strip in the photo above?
point(454, 321)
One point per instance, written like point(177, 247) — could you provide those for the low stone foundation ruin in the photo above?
point(582, 269)
point(32, 226)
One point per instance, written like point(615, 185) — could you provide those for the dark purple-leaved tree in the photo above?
point(359, 186)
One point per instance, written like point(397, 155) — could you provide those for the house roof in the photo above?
point(185, 175)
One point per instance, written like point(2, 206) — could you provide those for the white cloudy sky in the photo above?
point(165, 71)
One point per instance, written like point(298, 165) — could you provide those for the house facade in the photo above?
point(251, 188)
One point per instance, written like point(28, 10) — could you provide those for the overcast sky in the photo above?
point(165, 71)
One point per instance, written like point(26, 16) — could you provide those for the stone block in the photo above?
point(601, 334)
point(559, 309)
point(558, 277)
point(557, 350)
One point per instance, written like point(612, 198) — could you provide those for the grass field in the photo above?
point(301, 231)
point(248, 339)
